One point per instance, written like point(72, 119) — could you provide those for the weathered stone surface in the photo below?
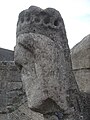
point(12, 94)
point(83, 79)
point(86, 105)
point(13, 101)
point(80, 55)
point(43, 56)
point(6, 55)
point(22, 113)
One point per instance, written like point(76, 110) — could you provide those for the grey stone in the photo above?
point(13, 101)
point(22, 113)
point(83, 79)
point(12, 94)
point(43, 56)
point(86, 105)
point(6, 55)
point(80, 55)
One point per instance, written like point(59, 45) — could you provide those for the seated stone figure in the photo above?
point(43, 56)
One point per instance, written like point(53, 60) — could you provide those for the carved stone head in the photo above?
point(43, 55)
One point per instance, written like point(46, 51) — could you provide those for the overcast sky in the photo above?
point(76, 15)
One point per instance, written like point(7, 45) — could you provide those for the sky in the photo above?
point(76, 15)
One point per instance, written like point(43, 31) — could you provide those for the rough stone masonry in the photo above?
point(43, 56)
point(80, 55)
point(13, 101)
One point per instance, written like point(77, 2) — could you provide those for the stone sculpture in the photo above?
point(43, 56)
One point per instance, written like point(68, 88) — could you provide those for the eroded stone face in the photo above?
point(43, 55)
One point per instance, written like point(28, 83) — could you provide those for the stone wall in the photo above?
point(13, 101)
point(6, 55)
point(80, 55)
